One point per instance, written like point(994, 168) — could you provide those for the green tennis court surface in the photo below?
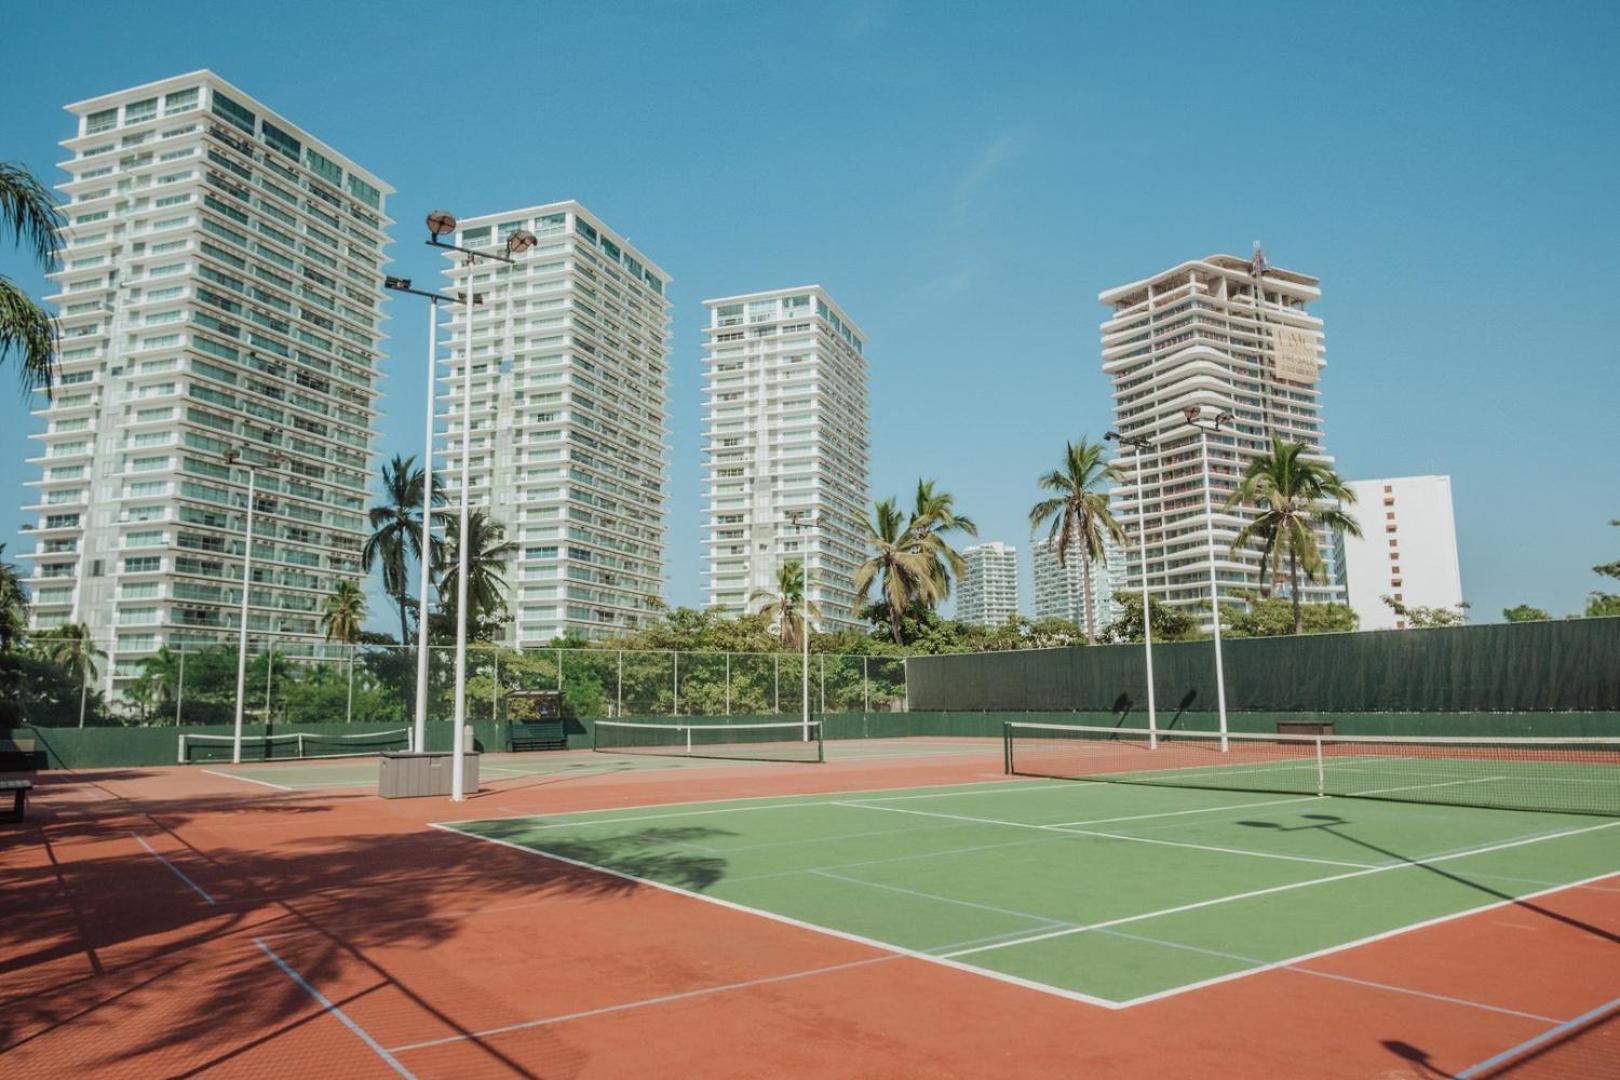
point(1112, 893)
point(362, 771)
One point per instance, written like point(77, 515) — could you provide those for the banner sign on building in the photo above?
point(1294, 350)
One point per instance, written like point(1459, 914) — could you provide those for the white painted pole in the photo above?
point(677, 684)
point(425, 577)
point(620, 694)
point(242, 630)
point(180, 691)
point(1147, 607)
point(804, 632)
point(348, 711)
point(457, 786)
point(1214, 589)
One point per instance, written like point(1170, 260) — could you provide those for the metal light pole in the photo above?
point(1193, 414)
point(441, 223)
point(1141, 443)
point(797, 518)
point(231, 457)
point(425, 577)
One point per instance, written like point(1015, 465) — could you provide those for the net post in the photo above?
point(1006, 747)
point(182, 760)
point(1321, 771)
point(688, 740)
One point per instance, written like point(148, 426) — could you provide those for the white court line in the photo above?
point(663, 999)
point(1369, 983)
point(247, 780)
point(1179, 813)
point(1369, 939)
point(1424, 787)
point(730, 905)
point(1196, 949)
point(179, 873)
point(1115, 836)
point(1386, 868)
point(327, 1005)
point(814, 798)
point(1540, 1040)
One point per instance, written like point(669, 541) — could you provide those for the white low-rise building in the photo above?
point(1407, 549)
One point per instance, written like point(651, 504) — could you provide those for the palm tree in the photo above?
point(29, 213)
point(785, 607)
point(1296, 497)
point(487, 550)
point(1079, 512)
point(13, 605)
point(910, 572)
point(396, 530)
point(343, 612)
point(934, 513)
point(71, 648)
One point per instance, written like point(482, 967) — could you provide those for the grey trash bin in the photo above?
point(408, 776)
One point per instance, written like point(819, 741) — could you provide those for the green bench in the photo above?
point(19, 790)
point(537, 735)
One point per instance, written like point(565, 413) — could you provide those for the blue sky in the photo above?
point(965, 179)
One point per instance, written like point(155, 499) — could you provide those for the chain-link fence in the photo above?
point(377, 683)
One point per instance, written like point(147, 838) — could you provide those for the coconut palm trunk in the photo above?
point(1293, 577)
point(1091, 615)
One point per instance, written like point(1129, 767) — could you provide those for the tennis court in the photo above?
point(1114, 894)
point(356, 772)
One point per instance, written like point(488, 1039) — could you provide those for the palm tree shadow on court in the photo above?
point(1329, 824)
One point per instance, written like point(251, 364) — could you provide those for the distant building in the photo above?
point(570, 376)
point(1060, 589)
point(786, 432)
point(220, 301)
point(1407, 549)
point(988, 592)
point(1220, 334)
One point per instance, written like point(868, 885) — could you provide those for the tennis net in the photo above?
point(1565, 775)
point(291, 746)
point(795, 741)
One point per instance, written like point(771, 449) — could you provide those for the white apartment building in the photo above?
point(1060, 590)
point(1223, 335)
point(785, 420)
point(220, 290)
point(1407, 549)
point(570, 374)
point(987, 595)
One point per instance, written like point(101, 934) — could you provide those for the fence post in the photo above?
point(905, 678)
point(677, 657)
point(269, 671)
point(728, 684)
point(866, 685)
point(84, 693)
point(180, 690)
point(495, 691)
point(619, 696)
point(824, 684)
point(559, 673)
point(776, 683)
point(348, 711)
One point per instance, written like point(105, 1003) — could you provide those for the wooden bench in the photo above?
point(18, 755)
point(19, 790)
point(537, 735)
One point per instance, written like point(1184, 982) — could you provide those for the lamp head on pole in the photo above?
point(520, 241)
point(441, 223)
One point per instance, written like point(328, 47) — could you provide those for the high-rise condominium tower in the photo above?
point(988, 592)
point(1407, 549)
point(785, 394)
point(1060, 589)
point(219, 292)
point(570, 370)
point(1221, 335)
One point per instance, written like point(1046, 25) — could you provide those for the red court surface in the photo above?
point(172, 922)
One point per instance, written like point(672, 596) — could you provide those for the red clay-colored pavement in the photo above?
point(168, 922)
